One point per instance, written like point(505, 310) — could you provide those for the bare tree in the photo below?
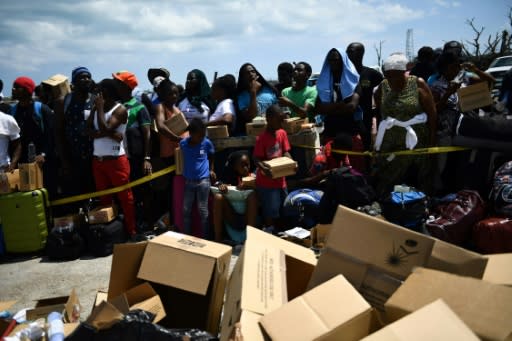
point(497, 44)
point(378, 50)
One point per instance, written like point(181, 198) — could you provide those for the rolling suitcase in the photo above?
point(24, 218)
point(493, 235)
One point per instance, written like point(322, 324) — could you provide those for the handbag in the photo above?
point(454, 220)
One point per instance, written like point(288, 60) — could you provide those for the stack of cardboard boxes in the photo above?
point(373, 281)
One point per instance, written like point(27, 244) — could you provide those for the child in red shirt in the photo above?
point(270, 144)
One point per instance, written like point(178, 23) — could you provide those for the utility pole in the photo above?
point(409, 45)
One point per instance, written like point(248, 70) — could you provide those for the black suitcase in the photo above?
point(102, 237)
point(64, 243)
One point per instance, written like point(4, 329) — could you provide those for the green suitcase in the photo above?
point(24, 217)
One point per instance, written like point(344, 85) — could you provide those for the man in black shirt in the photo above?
point(368, 80)
point(424, 68)
point(36, 123)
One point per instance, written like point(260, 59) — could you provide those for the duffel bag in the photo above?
point(493, 235)
point(501, 194)
point(301, 207)
point(454, 220)
point(102, 237)
point(64, 243)
point(407, 209)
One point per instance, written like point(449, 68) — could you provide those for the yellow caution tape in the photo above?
point(419, 151)
point(115, 189)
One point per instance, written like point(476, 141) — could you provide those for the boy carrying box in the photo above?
point(271, 144)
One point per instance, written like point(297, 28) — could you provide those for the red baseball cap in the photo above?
point(26, 83)
point(127, 78)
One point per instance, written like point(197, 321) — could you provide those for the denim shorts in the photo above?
point(271, 201)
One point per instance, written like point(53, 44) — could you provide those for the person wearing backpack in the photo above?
point(74, 144)
point(137, 143)
point(36, 122)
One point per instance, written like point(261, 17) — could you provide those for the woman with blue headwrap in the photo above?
point(338, 101)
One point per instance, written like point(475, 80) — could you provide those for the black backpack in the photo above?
point(64, 243)
point(102, 237)
point(344, 186)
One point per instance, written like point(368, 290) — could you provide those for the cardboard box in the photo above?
point(102, 214)
point(268, 272)
point(255, 129)
point(178, 161)
point(376, 256)
point(193, 274)
point(12, 182)
point(293, 125)
point(177, 124)
point(217, 132)
point(319, 235)
point(331, 311)
point(59, 85)
point(281, 166)
point(485, 307)
point(31, 176)
point(499, 269)
point(249, 181)
point(435, 321)
point(107, 312)
point(62, 304)
point(474, 96)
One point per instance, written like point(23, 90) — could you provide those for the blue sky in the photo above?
point(40, 39)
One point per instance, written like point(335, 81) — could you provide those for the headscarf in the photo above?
point(396, 61)
point(78, 71)
point(204, 92)
point(242, 87)
point(348, 82)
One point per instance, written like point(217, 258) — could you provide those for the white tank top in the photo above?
point(105, 146)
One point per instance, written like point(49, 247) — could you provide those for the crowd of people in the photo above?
point(101, 135)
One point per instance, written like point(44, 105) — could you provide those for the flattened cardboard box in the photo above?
point(192, 274)
point(376, 256)
point(435, 321)
point(31, 177)
point(332, 311)
point(474, 96)
point(485, 307)
point(268, 272)
point(499, 269)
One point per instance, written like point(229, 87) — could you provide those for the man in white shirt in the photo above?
point(9, 137)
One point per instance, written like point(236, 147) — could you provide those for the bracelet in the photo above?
point(147, 158)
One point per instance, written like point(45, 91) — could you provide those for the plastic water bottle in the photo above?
point(55, 327)
point(31, 152)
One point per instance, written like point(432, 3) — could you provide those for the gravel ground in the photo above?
point(29, 278)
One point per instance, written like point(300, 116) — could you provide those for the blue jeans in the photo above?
point(271, 200)
point(199, 191)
